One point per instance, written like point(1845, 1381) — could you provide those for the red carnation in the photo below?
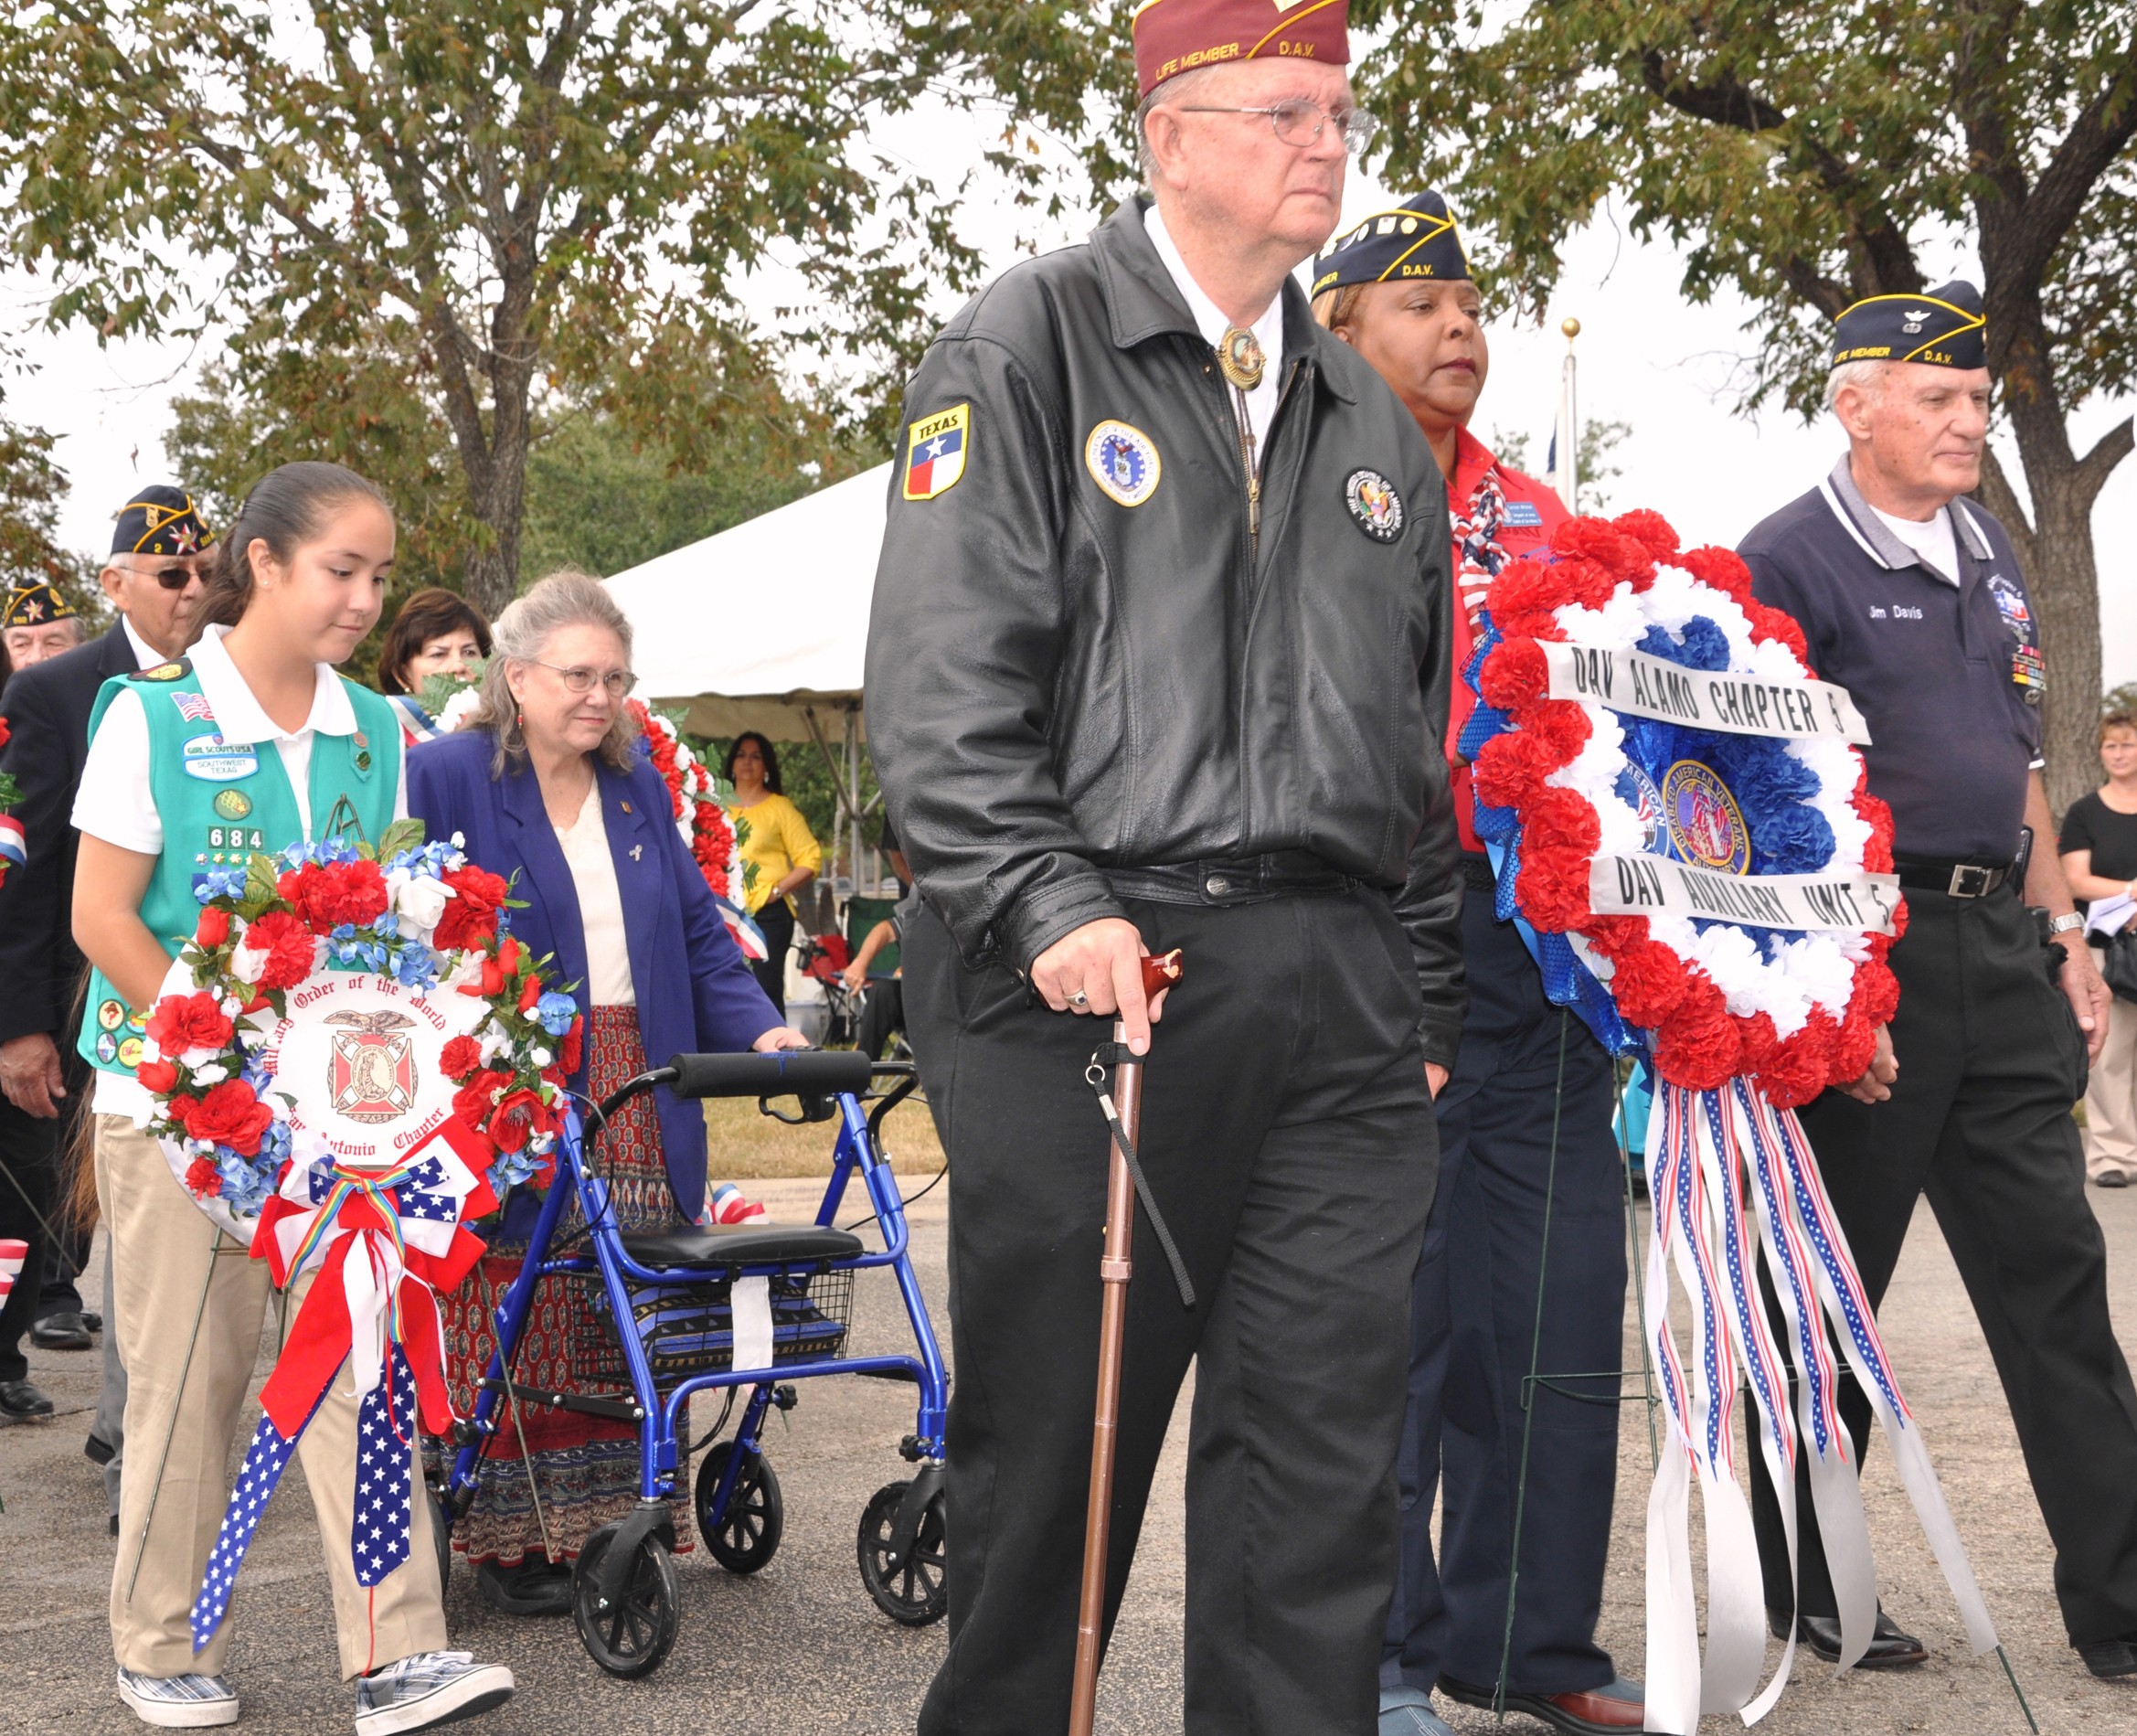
point(1651, 530)
point(1508, 769)
point(1799, 1068)
point(1696, 1046)
point(1560, 729)
point(203, 1179)
point(1523, 586)
point(1758, 1042)
point(458, 1058)
point(473, 1101)
point(231, 1114)
point(520, 1115)
point(1514, 675)
point(287, 941)
point(1595, 540)
point(158, 1076)
point(1723, 569)
point(181, 1022)
point(1649, 983)
point(214, 930)
point(472, 915)
point(1877, 992)
point(1778, 624)
point(1854, 1046)
point(4, 732)
point(352, 892)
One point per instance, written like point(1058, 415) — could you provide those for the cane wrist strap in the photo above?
point(1110, 1055)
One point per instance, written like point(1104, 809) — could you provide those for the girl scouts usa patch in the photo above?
point(1122, 461)
point(1373, 505)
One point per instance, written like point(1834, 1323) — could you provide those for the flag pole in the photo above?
point(1569, 421)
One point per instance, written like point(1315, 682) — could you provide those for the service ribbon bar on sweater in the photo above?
point(1734, 703)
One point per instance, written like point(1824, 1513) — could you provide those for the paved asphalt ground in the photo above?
point(800, 1649)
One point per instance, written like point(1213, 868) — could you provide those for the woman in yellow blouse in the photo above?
point(781, 846)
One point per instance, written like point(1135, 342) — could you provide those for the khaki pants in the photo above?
point(172, 1267)
point(2110, 1094)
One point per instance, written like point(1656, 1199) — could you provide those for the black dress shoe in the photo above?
point(2112, 1660)
point(21, 1401)
point(92, 1319)
point(1890, 1647)
point(535, 1587)
point(61, 1331)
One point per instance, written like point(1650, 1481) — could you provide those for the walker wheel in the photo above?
point(630, 1637)
point(913, 1592)
point(440, 1536)
point(746, 1536)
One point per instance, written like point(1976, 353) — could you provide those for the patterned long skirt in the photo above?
point(583, 1469)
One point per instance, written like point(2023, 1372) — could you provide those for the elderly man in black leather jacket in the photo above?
point(1159, 658)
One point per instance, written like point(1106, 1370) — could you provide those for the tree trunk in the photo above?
point(492, 579)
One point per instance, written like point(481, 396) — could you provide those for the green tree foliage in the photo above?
point(460, 208)
point(1806, 154)
point(31, 486)
point(1598, 442)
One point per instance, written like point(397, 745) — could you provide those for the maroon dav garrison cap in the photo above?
point(1172, 36)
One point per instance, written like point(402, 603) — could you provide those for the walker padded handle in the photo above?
point(808, 1072)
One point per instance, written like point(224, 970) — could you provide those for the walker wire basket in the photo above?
point(688, 1329)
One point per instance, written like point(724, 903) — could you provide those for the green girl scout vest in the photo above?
point(222, 801)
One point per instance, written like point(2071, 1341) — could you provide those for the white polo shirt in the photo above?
point(116, 802)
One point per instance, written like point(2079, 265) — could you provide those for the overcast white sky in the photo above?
point(1647, 357)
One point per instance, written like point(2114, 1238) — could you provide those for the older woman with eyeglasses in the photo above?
point(545, 786)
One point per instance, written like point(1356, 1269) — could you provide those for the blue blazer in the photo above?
point(695, 991)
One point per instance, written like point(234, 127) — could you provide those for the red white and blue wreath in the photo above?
point(1679, 820)
point(352, 1061)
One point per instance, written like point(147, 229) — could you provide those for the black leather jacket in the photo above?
point(1059, 684)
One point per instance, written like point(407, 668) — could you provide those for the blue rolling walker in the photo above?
point(671, 1300)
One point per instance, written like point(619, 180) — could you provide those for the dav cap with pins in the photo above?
point(1172, 36)
point(1944, 328)
point(1416, 239)
point(160, 520)
point(33, 605)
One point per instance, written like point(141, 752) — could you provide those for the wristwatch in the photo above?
point(2064, 925)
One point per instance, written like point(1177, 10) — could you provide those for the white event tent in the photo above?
point(765, 626)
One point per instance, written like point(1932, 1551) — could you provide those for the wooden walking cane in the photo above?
point(1125, 1118)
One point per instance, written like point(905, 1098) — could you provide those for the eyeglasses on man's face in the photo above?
point(578, 678)
point(170, 574)
point(1299, 120)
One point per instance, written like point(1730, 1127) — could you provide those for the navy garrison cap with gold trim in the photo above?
point(33, 605)
point(1942, 328)
point(160, 520)
point(1416, 239)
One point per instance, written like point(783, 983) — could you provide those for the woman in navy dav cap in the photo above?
point(1397, 288)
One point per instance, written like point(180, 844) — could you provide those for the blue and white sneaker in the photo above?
point(179, 1702)
point(1408, 1711)
point(428, 1689)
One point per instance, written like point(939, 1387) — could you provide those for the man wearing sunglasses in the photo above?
point(1159, 658)
point(161, 552)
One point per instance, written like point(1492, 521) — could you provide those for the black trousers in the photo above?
point(31, 1151)
point(1990, 1060)
point(1288, 1134)
point(776, 921)
point(882, 1014)
point(1473, 1321)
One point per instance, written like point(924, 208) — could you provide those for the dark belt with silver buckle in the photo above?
point(1283, 874)
point(1954, 880)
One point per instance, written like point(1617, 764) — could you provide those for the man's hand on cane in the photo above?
point(1098, 968)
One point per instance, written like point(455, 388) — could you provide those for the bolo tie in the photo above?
point(1240, 359)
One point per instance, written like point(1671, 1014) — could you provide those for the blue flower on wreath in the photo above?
point(350, 947)
point(219, 882)
point(555, 1013)
point(247, 1181)
point(510, 1168)
point(416, 967)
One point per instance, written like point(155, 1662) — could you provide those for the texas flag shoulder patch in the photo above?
point(934, 452)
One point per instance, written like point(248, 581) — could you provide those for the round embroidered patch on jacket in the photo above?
point(1373, 505)
point(1122, 461)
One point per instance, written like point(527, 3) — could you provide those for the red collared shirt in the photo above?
point(1533, 512)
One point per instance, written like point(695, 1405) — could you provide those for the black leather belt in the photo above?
point(1954, 880)
point(1283, 874)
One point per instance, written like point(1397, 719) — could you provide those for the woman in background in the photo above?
point(781, 847)
point(2099, 847)
point(437, 633)
point(544, 783)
